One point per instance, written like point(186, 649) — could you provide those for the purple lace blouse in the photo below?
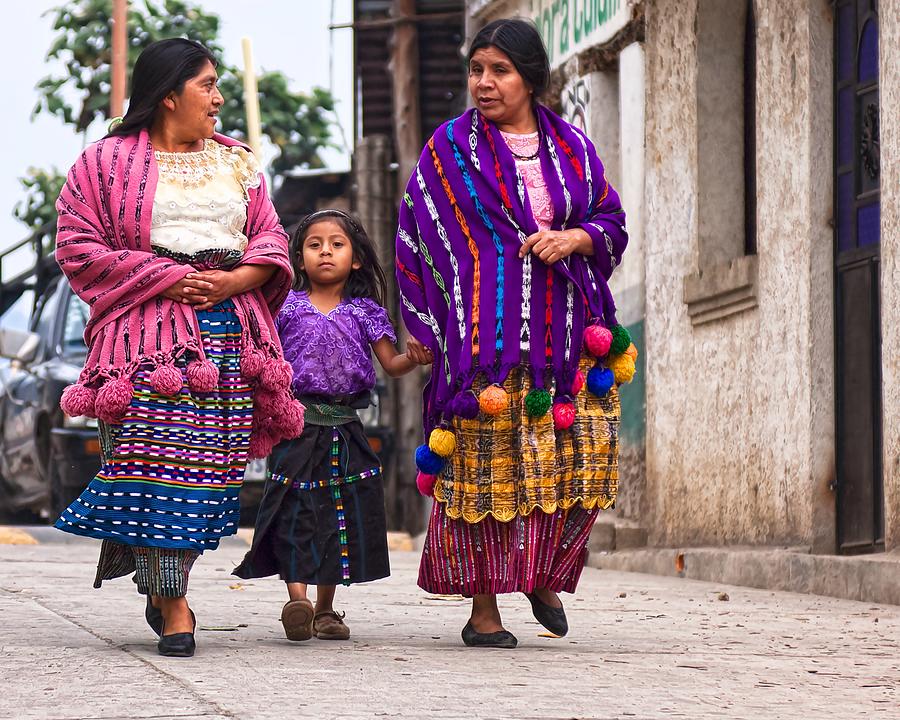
point(331, 354)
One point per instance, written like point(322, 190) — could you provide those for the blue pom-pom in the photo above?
point(428, 461)
point(465, 405)
point(600, 380)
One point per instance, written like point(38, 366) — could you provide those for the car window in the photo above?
point(44, 317)
point(73, 333)
point(18, 315)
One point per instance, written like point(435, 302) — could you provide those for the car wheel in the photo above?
point(61, 495)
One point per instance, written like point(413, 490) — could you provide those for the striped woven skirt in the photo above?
point(516, 502)
point(321, 520)
point(172, 470)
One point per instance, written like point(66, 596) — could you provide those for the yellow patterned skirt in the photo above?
point(509, 464)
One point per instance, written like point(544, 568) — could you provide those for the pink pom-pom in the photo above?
point(563, 415)
point(290, 420)
point(425, 483)
point(166, 380)
point(267, 403)
point(276, 375)
point(597, 340)
point(113, 400)
point(202, 376)
point(260, 446)
point(252, 362)
point(78, 400)
point(578, 382)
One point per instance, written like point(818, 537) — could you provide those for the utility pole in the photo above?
point(407, 395)
point(119, 63)
point(404, 69)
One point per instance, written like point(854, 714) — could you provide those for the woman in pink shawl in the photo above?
point(167, 231)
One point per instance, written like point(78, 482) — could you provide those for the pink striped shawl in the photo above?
point(103, 247)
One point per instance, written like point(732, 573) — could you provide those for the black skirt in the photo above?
point(321, 519)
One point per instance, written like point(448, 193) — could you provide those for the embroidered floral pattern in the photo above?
point(532, 175)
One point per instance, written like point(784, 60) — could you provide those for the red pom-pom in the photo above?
point(252, 362)
point(563, 415)
point(260, 446)
point(78, 400)
point(166, 380)
point(578, 382)
point(597, 340)
point(276, 375)
point(202, 376)
point(113, 400)
point(425, 483)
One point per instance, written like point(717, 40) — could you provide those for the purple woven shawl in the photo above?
point(464, 291)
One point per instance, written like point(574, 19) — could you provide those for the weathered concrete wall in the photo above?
point(889, 17)
point(734, 407)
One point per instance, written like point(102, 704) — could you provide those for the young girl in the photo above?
point(321, 520)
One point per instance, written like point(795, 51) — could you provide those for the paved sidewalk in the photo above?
point(640, 647)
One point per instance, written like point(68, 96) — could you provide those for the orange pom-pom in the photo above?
point(493, 400)
point(632, 352)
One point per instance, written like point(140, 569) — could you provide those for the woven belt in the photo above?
point(331, 415)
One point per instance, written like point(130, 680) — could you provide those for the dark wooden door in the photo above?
point(857, 249)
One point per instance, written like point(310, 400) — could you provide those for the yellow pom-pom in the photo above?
point(632, 352)
point(442, 442)
point(622, 367)
point(493, 400)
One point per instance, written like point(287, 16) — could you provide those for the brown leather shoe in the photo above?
point(297, 618)
point(329, 625)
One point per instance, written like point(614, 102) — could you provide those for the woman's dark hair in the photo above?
point(367, 281)
point(162, 67)
point(521, 41)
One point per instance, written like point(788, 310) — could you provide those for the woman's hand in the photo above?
point(189, 292)
point(208, 288)
point(553, 245)
point(419, 353)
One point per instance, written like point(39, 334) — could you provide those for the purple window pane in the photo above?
point(846, 105)
point(868, 53)
point(846, 27)
point(846, 240)
point(868, 224)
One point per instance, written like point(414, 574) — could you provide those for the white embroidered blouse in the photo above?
point(201, 201)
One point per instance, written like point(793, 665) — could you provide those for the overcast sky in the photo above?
point(288, 35)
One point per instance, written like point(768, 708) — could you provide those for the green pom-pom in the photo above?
point(538, 402)
point(621, 340)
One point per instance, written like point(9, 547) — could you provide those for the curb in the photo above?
point(869, 578)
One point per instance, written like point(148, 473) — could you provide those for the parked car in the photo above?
point(46, 457)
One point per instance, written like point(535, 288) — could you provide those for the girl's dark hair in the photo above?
point(162, 67)
point(367, 281)
point(521, 41)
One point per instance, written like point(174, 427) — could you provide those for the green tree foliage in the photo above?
point(43, 188)
point(298, 124)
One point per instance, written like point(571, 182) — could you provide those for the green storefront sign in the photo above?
point(569, 26)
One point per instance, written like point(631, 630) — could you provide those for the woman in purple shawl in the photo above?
point(509, 232)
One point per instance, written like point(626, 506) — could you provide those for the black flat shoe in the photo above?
point(154, 617)
point(179, 644)
point(501, 639)
point(554, 619)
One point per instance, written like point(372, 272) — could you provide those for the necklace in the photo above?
point(533, 156)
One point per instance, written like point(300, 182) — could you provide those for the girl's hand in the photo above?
point(187, 291)
point(210, 287)
point(553, 245)
point(419, 353)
